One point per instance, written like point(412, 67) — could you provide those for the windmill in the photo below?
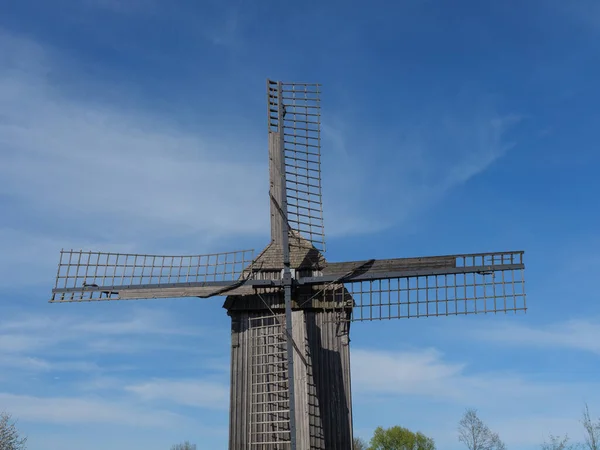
point(291, 309)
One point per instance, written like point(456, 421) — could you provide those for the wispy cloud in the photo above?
point(35, 364)
point(72, 344)
point(81, 358)
point(426, 373)
point(31, 257)
point(196, 393)
point(142, 321)
point(412, 373)
point(574, 334)
point(77, 161)
point(84, 410)
point(523, 410)
point(128, 176)
point(430, 157)
point(534, 429)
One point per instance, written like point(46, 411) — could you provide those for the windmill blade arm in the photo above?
point(149, 291)
point(294, 118)
point(438, 286)
point(87, 276)
point(381, 269)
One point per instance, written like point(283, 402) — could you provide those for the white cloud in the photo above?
point(75, 160)
point(36, 364)
point(423, 389)
point(15, 342)
point(72, 161)
point(419, 163)
point(84, 410)
point(575, 334)
point(127, 176)
point(64, 342)
point(142, 321)
point(31, 258)
point(534, 429)
point(196, 393)
point(425, 372)
point(23, 362)
point(81, 350)
point(411, 373)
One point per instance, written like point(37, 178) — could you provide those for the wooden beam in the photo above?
point(391, 265)
point(275, 187)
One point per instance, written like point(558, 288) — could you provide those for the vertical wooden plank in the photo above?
point(329, 385)
point(324, 402)
point(275, 186)
point(300, 378)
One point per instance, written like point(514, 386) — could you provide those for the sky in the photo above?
point(448, 127)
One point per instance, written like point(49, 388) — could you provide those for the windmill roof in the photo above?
point(303, 255)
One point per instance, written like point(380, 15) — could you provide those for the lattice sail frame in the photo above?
point(299, 104)
point(476, 284)
point(383, 289)
point(87, 275)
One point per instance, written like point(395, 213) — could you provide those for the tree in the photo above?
point(359, 444)
point(558, 443)
point(399, 438)
point(592, 430)
point(10, 439)
point(476, 435)
point(185, 446)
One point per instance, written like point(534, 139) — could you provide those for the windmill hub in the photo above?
point(290, 309)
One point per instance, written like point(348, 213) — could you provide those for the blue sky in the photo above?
point(140, 126)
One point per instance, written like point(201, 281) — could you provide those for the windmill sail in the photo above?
point(88, 276)
point(423, 287)
point(295, 114)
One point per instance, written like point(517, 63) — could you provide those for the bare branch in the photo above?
point(558, 443)
point(592, 430)
point(476, 435)
point(359, 444)
point(184, 446)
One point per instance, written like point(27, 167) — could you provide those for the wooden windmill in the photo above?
point(291, 309)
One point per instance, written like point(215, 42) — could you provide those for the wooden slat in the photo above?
point(180, 292)
point(391, 265)
point(275, 187)
point(325, 411)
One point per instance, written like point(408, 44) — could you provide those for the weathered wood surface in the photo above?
point(307, 261)
point(131, 294)
point(275, 187)
point(321, 371)
point(322, 381)
point(390, 265)
point(302, 256)
point(305, 297)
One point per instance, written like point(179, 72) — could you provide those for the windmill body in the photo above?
point(290, 308)
point(259, 411)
